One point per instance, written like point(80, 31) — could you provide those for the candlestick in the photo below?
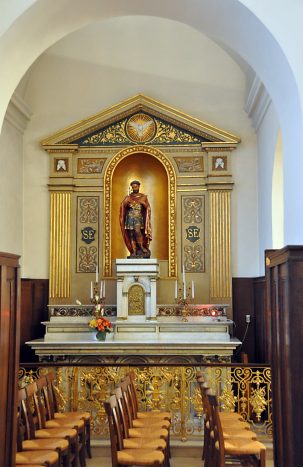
point(192, 289)
point(103, 289)
point(176, 289)
point(97, 274)
point(184, 282)
point(91, 289)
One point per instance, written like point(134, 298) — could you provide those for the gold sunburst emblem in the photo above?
point(140, 128)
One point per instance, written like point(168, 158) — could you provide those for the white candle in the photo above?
point(184, 282)
point(192, 289)
point(97, 274)
point(103, 289)
point(91, 289)
point(176, 289)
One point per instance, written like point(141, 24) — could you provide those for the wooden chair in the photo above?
point(82, 415)
point(140, 437)
point(120, 455)
point(42, 405)
point(130, 379)
point(156, 422)
point(35, 428)
point(45, 457)
point(243, 449)
point(232, 427)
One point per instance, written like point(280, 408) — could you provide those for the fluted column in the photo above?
point(60, 231)
point(220, 254)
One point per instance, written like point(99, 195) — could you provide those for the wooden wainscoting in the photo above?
point(9, 354)
point(34, 300)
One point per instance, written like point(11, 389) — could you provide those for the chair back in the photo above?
point(131, 396)
point(216, 427)
point(51, 377)
point(46, 397)
point(116, 438)
point(122, 411)
point(132, 379)
point(125, 393)
point(36, 402)
point(26, 415)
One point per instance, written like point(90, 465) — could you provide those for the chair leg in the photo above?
point(88, 447)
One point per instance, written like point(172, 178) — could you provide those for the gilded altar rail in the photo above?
point(242, 388)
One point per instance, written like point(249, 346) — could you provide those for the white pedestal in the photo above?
point(143, 272)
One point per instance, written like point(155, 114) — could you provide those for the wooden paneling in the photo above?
point(34, 300)
point(262, 353)
point(284, 279)
point(9, 354)
point(243, 304)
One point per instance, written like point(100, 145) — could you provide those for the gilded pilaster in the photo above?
point(60, 230)
point(220, 254)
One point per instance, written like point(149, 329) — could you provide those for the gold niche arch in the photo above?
point(170, 194)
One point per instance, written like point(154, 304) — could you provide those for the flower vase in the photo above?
point(100, 336)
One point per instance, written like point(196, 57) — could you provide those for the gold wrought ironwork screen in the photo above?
point(244, 389)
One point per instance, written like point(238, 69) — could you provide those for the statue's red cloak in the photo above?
point(147, 234)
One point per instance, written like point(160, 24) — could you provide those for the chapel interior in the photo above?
point(201, 107)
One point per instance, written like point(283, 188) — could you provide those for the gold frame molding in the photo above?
point(107, 260)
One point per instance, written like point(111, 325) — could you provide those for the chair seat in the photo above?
point(242, 448)
point(230, 416)
point(55, 433)
point(61, 422)
point(148, 433)
point(152, 415)
point(36, 457)
point(139, 457)
point(236, 424)
point(44, 444)
point(82, 415)
point(235, 434)
point(145, 422)
point(144, 443)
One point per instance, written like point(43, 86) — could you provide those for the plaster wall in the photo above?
point(267, 139)
point(11, 189)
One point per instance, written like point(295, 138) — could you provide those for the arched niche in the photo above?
point(158, 181)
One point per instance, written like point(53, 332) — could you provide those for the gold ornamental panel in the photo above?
point(136, 300)
point(111, 225)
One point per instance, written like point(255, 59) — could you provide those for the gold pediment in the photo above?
point(139, 120)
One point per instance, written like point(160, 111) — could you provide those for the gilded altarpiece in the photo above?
point(190, 161)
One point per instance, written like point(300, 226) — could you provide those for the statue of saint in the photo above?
point(135, 222)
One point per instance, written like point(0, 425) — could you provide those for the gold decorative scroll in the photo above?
point(171, 204)
point(220, 255)
point(60, 229)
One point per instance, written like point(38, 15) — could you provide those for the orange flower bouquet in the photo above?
point(102, 326)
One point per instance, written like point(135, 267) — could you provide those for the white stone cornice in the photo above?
point(257, 102)
point(18, 113)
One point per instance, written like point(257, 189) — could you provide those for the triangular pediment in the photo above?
point(139, 120)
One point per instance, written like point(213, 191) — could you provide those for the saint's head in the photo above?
point(135, 184)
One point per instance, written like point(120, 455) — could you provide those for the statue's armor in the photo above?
point(134, 216)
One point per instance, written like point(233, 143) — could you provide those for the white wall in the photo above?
point(11, 189)
point(277, 197)
point(168, 61)
point(267, 139)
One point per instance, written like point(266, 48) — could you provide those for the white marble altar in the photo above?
point(165, 338)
